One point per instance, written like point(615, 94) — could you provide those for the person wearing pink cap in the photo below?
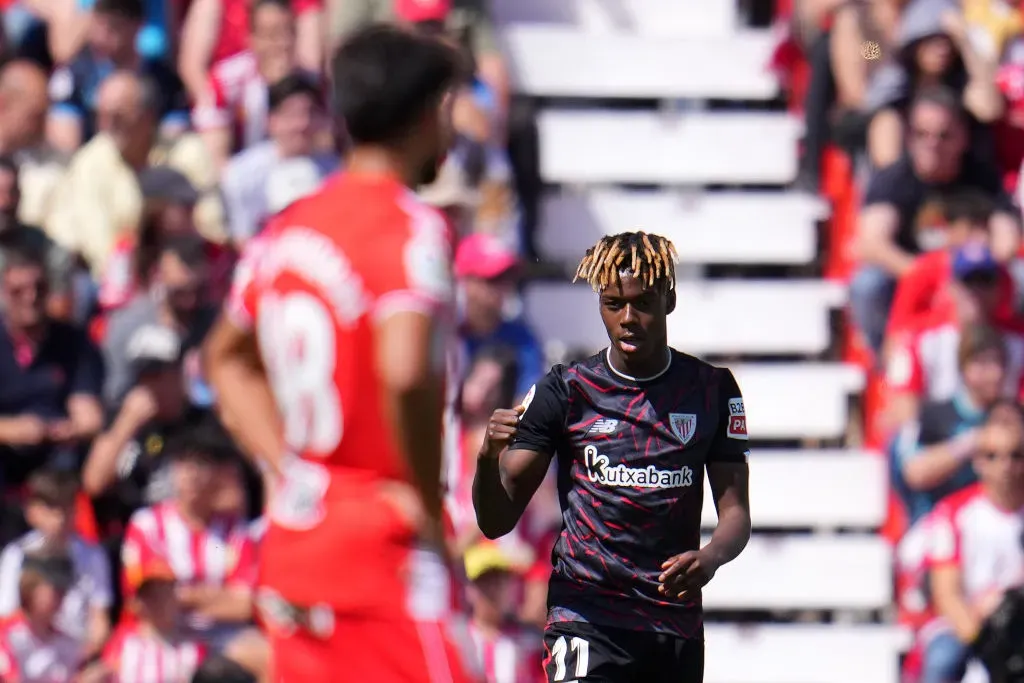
point(488, 270)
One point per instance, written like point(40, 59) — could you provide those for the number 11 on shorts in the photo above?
point(581, 650)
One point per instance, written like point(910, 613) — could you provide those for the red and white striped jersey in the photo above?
point(222, 554)
point(511, 656)
point(26, 657)
point(138, 657)
point(236, 98)
point(924, 361)
point(971, 532)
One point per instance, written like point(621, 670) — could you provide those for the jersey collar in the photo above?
point(630, 378)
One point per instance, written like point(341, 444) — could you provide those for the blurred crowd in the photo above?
point(143, 143)
point(926, 99)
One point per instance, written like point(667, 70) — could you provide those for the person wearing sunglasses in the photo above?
point(976, 552)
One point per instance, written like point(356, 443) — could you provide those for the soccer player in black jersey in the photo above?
point(633, 428)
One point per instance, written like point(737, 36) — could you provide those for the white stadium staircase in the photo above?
point(806, 602)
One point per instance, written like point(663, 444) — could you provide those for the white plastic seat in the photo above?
point(801, 653)
point(722, 317)
point(561, 61)
point(718, 227)
point(850, 490)
point(798, 400)
point(639, 147)
point(806, 572)
point(677, 18)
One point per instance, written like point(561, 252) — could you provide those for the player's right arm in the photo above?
point(506, 480)
point(233, 366)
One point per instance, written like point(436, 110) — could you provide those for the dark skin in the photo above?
point(636, 321)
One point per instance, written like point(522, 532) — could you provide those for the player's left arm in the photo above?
point(235, 371)
point(729, 477)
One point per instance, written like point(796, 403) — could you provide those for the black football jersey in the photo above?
point(630, 459)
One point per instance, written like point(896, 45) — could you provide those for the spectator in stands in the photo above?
point(923, 364)
point(493, 575)
point(935, 49)
point(934, 452)
point(216, 39)
point(231, 108)
point(154, 634)
point(842, 61)
point(99, 200)
point(215, 563)
point(455, 192)
point(127, 467)
point(171, 204)
point(886, 239)
point(23, 105)
point(110, 47)
point(976, 551)
point(296, 117)
point(14, 234)
point(50, 381)
point(37, 650)
point(68, 25)
point(487, 271)
point(948, 223)
point(174, 299)
point(50, 508)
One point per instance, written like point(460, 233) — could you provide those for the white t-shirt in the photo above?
point(983, 540)
point(92, 587)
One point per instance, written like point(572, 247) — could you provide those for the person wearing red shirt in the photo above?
point(149, 648)
point(232, 108)
point(329, 364)
point(216, 31)
point(923, 362)
point(975, 553)
point(506, 652)
point(963, 217)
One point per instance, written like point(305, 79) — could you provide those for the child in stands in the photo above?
point(148, 647)
point(32, 648)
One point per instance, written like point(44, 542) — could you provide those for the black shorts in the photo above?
point(587, 653)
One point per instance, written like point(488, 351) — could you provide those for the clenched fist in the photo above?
point(500, 431)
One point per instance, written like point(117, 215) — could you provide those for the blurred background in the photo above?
point(840, 179)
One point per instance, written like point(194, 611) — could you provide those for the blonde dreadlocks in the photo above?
point(649, 258)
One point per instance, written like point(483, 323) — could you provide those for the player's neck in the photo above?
point(378, 162)
point(639, 371)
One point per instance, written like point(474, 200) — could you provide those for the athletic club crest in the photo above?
point(684, 425)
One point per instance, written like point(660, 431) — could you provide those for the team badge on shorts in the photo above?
point(683, 425)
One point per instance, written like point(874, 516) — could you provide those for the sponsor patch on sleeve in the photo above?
point(737, 420)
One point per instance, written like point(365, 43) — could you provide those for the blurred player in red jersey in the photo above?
point(328, 365)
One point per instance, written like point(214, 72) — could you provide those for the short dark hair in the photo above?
point(207, 441)
point(127, 9)
point(291, 85)
point(940, 96)
point(190, 249)
point(54, 488)
point(386, 78)
point(978, 339)
point(969, 204)
point(220, 669)
point(283, 5)
point(21, 255)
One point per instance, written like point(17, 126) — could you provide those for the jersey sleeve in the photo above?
point(420, 277)
point(730, 441)
point(903, 371)
point(240, 305)
point(136, 550)
point(542, 423)
point(943, 537)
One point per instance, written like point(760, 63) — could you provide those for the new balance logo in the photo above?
point(604, 426)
